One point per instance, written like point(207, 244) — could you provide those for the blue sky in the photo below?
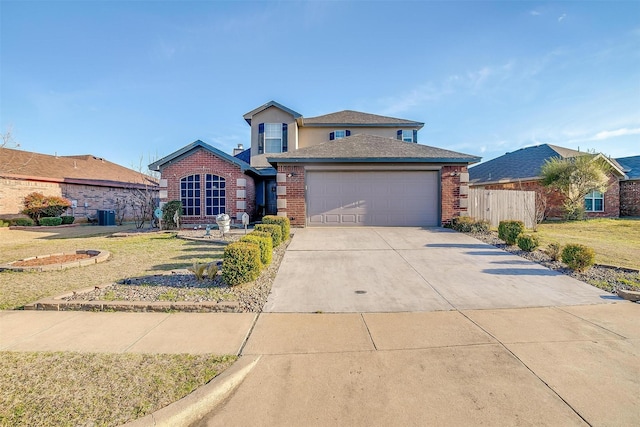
point(133, 81)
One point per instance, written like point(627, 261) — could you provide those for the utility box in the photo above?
point(106, 217)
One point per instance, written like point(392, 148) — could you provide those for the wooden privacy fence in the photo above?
point(499, 205)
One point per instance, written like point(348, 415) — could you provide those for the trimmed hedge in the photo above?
point(49, 221)
point(578, 257)
point(264, 241)
point(282, 221)
point(528, 242)
point(510, 230)
point(274, 230)
point(22, 222)
point(241, 263)
point(4, 223)
point(168, 212)
point(467, 224)
point(68, 219)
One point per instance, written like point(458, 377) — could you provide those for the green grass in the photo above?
point(615, 241)
point(72, 389)
point(133, 256)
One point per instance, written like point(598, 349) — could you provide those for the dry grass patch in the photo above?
point(615, 241)
point(133, 256)
point(70, 389)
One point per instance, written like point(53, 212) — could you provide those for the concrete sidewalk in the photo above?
point(81, 331)
point(529, 366)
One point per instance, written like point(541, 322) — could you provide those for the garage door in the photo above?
point(381, 198)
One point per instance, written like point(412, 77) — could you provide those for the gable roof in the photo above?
point(363, 148)
point(188, 149)
point(631, 166)
point(81, 169)
point(355, 118)
point(245, 155)
point(522, 164)
point(263, 107)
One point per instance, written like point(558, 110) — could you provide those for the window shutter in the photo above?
point(261, 138)
point(285, 142)
point(399, 134)
point(347, 132)
point(332, 136)
point(415, 135)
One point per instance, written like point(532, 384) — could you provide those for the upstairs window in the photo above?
point(594, 202)
point(190, 195)
point(339, 134)
point(272, 138)
point(408, 135)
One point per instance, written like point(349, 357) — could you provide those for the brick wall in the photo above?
point(12, 194)
point(292, 203)
point(453, 203)
point(630, 198)
point(202, 162)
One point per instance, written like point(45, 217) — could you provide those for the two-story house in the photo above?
point(340, 169)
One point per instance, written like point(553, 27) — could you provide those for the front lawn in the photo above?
point(615, 241)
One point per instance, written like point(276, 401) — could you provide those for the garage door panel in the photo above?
point(384, 198)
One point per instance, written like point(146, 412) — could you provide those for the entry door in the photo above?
point(271, 197)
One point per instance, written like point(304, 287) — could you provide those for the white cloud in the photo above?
point(608, 134)
point(561, 18)
point(534, 13)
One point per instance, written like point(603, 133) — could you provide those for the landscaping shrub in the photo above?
point(241, 263)
point(282, 221)
point(553, 250)
point(264, 241)
point(4, 223)
point(50, 221)
point(467, 224)
point(37, 205)
point(168, 212)
point(510, 230)
point(23, 222)
point(274, 230)
point(528, 242)
point(68, 219)
point(578, 257)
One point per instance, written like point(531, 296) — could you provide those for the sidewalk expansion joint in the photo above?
point(147, 333)
point(591, 323)
point(246, 338)
point(368, 331)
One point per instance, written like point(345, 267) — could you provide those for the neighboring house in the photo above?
point(89, 182)
point(630, 187)
point(342, 169)
point(520, 170)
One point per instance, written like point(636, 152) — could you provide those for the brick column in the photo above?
point(290, 191)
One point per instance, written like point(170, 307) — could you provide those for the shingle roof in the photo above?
point(363, 148)
point(186, 150)
point(631, 166)
point(245, 155)
point(25, 164)
point(263, 107)
point(524, 163)
point(356, 118)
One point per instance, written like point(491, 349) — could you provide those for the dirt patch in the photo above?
point(51, 259)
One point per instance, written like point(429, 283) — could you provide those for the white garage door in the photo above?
point(381, 198)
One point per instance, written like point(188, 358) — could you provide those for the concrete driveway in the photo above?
point(363, 270)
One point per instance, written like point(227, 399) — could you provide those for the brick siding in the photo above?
point(450, 193)
point(630, 198)
point(296, 209)
point(202, 162)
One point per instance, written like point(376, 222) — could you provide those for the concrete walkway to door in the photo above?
point(364, 270)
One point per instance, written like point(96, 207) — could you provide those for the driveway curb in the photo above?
point(203, 400)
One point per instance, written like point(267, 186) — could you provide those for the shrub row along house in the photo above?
point(90, 183)
point(520, 170)
point(341, 169)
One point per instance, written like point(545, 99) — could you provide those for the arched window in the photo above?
point(190, 195)
point(215, 195)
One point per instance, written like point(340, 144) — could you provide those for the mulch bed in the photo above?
point(50, 260)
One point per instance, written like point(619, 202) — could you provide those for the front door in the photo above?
point(271, 197)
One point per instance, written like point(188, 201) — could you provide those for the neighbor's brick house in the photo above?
point(520, 170)
point(90, 183)
point(341, 169)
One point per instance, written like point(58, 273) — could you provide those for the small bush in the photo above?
point(553, 250)
point(169, 211)
point(578, 257)
point(264, 241)
point(23, 222)
point(4, 223)
point(241, 263)
point(50, 221)
point(68, 219)
point(528, 242)
point(510, 230)
point(274, 230)
point(282, 221)
point(37, 205)
point(467, 224)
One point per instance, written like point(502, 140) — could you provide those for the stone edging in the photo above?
point(97, 256)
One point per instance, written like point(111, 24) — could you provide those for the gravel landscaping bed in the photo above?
point(182, 285)
point(606, 278)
